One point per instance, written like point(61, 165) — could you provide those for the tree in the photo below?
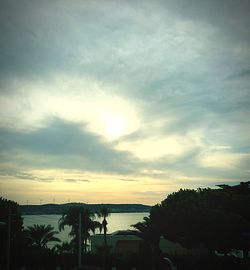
point(240, 195)
point(12, 222)
point(63, 248)
point(104, 213)
point(212, 218)
point(41, 235)
point(150, 230)
point(71, 218)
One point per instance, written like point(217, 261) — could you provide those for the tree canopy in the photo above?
point(9, 213)
point(104, 212)
point(71, 218)
point(41, 235)
point(218, 219)
point(213, 218)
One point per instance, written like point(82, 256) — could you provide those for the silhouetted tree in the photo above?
point(104, 213)
point(240, 197)
point(41, 235)
point(71, 218)
point(63, 248)
point(9, 213)
point(214, 218)
point(150, 229)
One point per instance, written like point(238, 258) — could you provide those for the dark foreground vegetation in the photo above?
point(51, 261)
point(217, 220)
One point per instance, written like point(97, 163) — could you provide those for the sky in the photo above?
point(122, 101)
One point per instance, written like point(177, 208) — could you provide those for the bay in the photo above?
point(116, 221)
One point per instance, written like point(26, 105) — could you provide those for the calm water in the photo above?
point(116, 221)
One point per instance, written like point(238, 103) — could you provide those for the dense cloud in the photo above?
point(65, 145)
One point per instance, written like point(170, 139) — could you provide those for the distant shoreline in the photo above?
point(58, 209)
point(44, 214)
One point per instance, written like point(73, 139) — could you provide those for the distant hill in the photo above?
point(58, 209)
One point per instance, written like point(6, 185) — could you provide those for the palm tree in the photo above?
point(41, 235)
point(71, 218)
point(104, 213)
point(150, 229)
point(147, 231)
point(63, 248)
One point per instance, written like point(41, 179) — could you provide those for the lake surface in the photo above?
point(116, 221)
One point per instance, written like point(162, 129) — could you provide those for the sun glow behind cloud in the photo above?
point(105, 114)
point(115, 125)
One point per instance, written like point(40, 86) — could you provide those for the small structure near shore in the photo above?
point(128, 241)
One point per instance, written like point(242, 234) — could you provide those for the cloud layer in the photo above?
point(156, 94)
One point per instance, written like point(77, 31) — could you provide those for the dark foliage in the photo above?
point(41, 235)
point(217, 219)
point(71, 218)
point(9, 213)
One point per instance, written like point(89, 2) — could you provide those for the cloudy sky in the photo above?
point(122, 101)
